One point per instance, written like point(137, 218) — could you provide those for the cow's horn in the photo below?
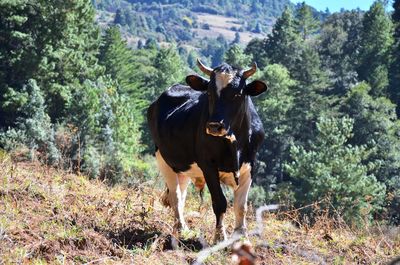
point(204, 68)
point(251, 71)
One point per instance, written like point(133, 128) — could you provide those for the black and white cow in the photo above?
point(208, 132)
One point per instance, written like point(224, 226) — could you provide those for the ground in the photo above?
point(52, 216)
point(222, 25)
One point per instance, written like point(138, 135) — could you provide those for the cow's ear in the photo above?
point(255, 88)
point(197, 82)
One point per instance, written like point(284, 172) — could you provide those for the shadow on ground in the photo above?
point(139, 238)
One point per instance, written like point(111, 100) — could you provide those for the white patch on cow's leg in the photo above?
point(220, 233)
point(183, 182)
point(174, 192)
point(240, 198)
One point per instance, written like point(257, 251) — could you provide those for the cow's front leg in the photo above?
point(219, 203)
point(240, 199)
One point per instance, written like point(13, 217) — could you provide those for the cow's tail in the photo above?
point(164, 198)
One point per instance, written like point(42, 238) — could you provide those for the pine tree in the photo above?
point(255, 49)
point(306, 23)
point(119, 18)
point(339, 42)
point(117, 59)
point(376, 126)
point(273, 108)
point(309, 102)
point(332, 170)
point(394, 88)
point(375, 44)
point(236, 57)
point(283, 45)
point(236, 40)
point(33, 127)
point(170, 70)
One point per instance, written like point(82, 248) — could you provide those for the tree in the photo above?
point(255, 49)
point(376, 126)
point(117, 59)
point(338, 47)
point(283, 45)
point(236, 57)
point(119, 18)
point(309, 99)
point(375, 44)
point(394, 88)
point(33, 127)
point(273, 108)
point(169, 70)
point(306, 23)
point(332, 170)
point(236, 40)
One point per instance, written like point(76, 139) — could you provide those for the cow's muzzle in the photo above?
point(216, 129)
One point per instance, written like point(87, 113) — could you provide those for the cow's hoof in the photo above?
point(219, 236)
point(240, 232)
point(180, 228)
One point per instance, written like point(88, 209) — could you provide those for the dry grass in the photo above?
point(221, 25)
point(52, 216)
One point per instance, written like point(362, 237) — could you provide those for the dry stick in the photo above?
point(205, 253)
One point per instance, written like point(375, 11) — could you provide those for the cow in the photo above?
point(208, 132)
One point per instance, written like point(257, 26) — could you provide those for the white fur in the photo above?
point(222, 80)
point(177, 185)
point(240, 198)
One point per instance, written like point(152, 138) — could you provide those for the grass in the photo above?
point(221, 25)
point(49, 216)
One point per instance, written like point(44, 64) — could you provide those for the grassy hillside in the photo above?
point(52, 216)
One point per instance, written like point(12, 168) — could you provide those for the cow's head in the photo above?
point(227, 91)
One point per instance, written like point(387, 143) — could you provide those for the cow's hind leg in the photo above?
point(240, 199)
point(183, 182)
point(173, 196)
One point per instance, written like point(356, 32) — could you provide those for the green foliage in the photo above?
point(255, 49)
point(283, 45)
point(117, 59)
point(257, 196)
point(305, 21)
point(339, 41)
point(375, 43)
point(274, 108)
point(33, 127)
point(394, 73)
point(376, 126)
point(236, 57)
point(332, 170)
point(169, 70)
point(54, 46)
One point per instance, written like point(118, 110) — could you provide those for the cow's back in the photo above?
point(174, 119)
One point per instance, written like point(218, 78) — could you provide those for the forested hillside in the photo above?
point(73, 95)
point(180, 21)
point(193, 23)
